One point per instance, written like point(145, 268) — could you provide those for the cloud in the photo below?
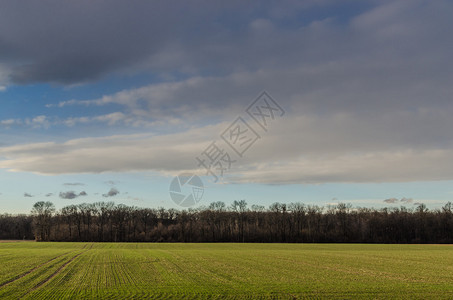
point(28, 195)
point(115, 153)
point(73, 184)
point(46, 121)
point(395, 200)
point(286, 154)
point(68, 195)
point(71, 194)
point(391, 200)
point(49, 195)
point(10, 122)
point(109, 119)
point(319, 73)
point(406, 200)
point(111, 193)
point(368, 96)
point(79, 48)
point(38, 122)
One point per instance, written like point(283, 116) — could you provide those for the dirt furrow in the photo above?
point(30, 271)
point(50, 277)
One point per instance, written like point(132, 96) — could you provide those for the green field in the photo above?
point(287, 271)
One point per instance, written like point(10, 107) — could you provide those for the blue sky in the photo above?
point(99, 97)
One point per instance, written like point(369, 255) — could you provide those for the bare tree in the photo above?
point(42, 213)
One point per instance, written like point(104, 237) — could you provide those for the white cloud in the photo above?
point(134, 119)
point(115, 153)
point(388, 166)
point(278, 158)
point(110, 119)
point(10, 122)
point(38, 122)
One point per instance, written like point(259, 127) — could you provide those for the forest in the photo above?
point(282, 223)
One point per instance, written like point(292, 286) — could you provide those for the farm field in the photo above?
point(222, 271)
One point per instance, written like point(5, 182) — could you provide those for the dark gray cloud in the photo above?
point(366, 69)
point(402, 200)
point(111, 193)
point(365, 66)
point(68, 195)
point(391, 200)
point(70, 42)
point(75, 43)
point(406, 200)
point(28, 195)
point(71, 194)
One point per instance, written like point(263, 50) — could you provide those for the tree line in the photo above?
point(294, 223)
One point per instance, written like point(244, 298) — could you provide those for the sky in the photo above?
point(110, 100)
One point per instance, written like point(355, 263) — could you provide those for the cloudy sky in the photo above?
point(108, 100)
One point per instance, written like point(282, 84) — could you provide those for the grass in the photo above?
point(218, 271)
